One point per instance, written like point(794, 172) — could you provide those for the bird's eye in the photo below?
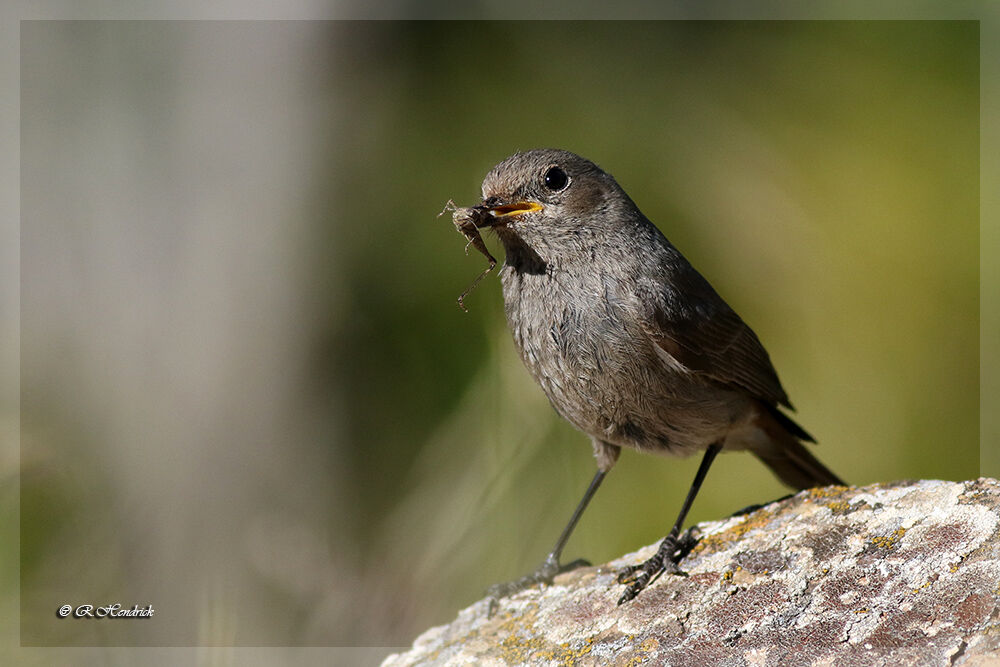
point(556, 179)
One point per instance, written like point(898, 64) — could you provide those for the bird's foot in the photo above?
point(545, 573)
point(672, 550)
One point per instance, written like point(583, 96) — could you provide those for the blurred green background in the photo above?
point(249, 397)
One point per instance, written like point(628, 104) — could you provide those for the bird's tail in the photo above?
point(787, 457)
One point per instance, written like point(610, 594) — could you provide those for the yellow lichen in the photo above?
point(826, 492)
point(888, 541)
point(756, 519)
point(521, 643)
point(838, 506)
point(644, 649)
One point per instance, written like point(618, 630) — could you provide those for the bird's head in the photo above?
point(553, 204)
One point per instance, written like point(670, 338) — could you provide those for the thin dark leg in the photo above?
point(699, 477)
point(568, 530)
point(638, 577)
point(550, 567)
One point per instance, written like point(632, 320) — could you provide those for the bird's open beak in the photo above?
point(515, 209)
point(508, 210)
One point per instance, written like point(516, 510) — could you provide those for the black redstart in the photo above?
point(628, 341)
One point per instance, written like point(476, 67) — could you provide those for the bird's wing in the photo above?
point(703, 334)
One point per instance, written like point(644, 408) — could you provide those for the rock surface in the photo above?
point(900, 574)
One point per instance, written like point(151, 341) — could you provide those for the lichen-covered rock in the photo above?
point(900, 574)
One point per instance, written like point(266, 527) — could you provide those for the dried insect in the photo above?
point(467, 222)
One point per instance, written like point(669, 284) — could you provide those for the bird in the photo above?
point(631, 344)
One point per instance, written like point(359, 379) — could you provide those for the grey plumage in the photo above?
point(628, 341)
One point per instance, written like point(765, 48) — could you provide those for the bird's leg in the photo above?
point(674, 546)
point(550, 567)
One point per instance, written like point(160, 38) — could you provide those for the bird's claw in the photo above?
point(545, 573)
point(672, 550)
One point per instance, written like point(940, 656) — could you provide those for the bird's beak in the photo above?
point(508, 210)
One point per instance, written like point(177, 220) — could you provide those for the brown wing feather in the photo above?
point(706, 336)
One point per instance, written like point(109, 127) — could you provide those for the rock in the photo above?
point(891, 574)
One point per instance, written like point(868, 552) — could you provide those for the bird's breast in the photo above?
point(601, 372)
point(576, 341)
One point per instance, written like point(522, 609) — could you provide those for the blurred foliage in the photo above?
point(822, 175)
